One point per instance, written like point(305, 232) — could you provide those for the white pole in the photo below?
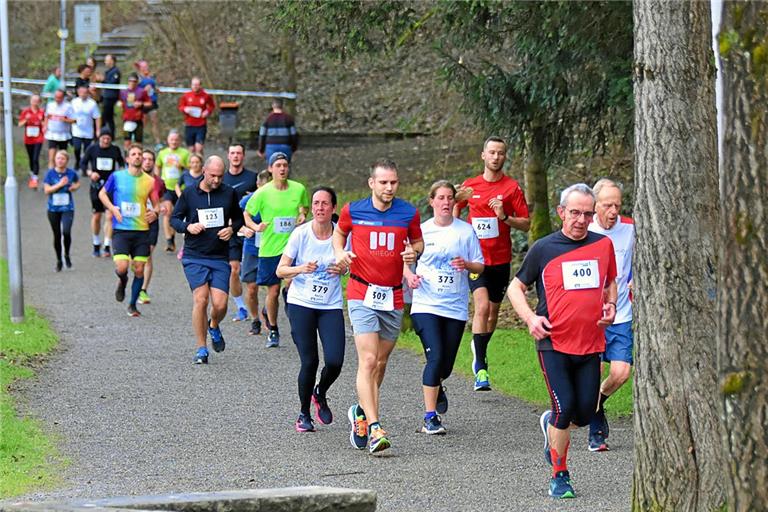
point(63, 41)
point(13, 228)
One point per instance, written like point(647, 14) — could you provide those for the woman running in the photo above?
point(59, 183)
point(315, 306)
point(191, 176)
point(440, 296)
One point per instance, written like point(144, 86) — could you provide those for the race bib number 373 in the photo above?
point(580, 275)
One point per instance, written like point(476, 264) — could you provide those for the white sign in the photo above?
point(87, 23)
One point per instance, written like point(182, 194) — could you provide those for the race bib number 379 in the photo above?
point(580, 275)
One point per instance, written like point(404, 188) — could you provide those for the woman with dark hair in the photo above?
point(59, 183)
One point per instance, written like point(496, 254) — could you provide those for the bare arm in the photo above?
point(538, 326)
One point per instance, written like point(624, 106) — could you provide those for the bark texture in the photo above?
point(743, 268)
point(536, 186)
point(677, 439)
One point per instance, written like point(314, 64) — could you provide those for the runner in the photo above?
point(171, 163)
point(282, 205)
point(59, 183)
point(86, 114)
point(133, 100)
point(32, 119)
point(190, 177)
point(385, 234)
point(277, 133)
point(59, 117)
point(110, 96)
point(148, 166)
point(84, 72)
point(148, 83)
point(99, 162)
point(440, 289)
point(496, 205)
point(196, 105)
point(126, 194)
point(574, 271)
point(208, 215)
point(315, 306)
point(618, 337)
point(243, 181)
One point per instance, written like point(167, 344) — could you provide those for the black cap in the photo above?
point(105, 131)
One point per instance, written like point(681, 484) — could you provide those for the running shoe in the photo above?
point(481, 381)
point(322, 411)
point(32, 182)
point(560, 486)
point(255, 329)
point(604, 428)
point(170, 247)
point(597, 442)
point(266, 318)
point(358, 436)
point(67, 263)
point(442, 400)
point(144, 297)
point(120, 290)
point(58, 266)
point(201, 357)
point(378, 440)
point(304, 423)
point(132, 311)
point(543, 423)
point(273, 339)
point(241, 315)
point(433, 426)
point(217, 340)
point(96, 251)
point(106, 252)
point(180, 254)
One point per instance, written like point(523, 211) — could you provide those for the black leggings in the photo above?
point(305, 325)
point(573, 383)
point(33, 151)
point(440, 337)
point(61, 224)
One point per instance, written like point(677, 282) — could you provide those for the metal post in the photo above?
point(13, 227)
point(63, 41)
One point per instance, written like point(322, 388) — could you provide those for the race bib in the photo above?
point(445, 282)
point(104, 164)
point(257, 238)
point(380, 298)
point(284, 224)
point(172, 173)
point(486, 227)
point(211, 217)
point(33, 131)
point(195, 111)
point(580, 275)
point(128, 209)
point(130, 126)
point(316, 289)
point(60, 199)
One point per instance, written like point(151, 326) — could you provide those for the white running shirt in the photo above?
point(319, 290)
point(622, 234)
point(85, 112)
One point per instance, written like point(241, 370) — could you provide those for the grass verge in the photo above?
point(28, 458)
point(514, 368)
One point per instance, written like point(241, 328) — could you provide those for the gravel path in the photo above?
point(135, 416)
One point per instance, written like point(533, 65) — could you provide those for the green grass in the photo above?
point(514, 368)
point(20, 161)
point(28, 459)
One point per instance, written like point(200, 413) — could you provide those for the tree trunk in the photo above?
point(288, 56)
point(536, 186)
point(743, 269)
point(678, 464)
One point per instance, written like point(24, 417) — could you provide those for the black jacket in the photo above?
point(112, 76)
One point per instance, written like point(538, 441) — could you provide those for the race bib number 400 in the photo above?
point(211, 217)
point(380, 298)
point(486, 227)
point(580, 275)
point(284, 224)
point(128, 209)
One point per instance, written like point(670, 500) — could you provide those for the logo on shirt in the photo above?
point(381, 241)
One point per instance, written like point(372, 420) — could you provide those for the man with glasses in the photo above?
point(574, 271)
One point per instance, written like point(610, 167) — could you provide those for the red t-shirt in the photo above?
point(200, 102)
point(378, 238)
point(33, 130)
point(132, 111)
point(494, 235)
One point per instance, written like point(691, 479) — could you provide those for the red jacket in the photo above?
point(202, 105)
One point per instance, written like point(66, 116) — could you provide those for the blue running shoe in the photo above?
point(433, 426)
point(481, 381)
point(543, 423)
point(241, 315)
point(304, 423)
point(442, 401)
point(560, 486)
point(597, 442)
point(201, 357)
point(217, 340)
point(358, 436)
point(273, 339)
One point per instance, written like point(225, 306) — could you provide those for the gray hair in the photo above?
point(581, 188)
point(603, 183)
point(173, 131)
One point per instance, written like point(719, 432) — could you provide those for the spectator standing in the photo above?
point(278, 133)
point(110, 96)
point(53, 83)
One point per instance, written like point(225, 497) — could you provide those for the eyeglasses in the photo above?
point(578, 213)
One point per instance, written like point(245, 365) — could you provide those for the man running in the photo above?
point(59, 117)
point(126, 194)
point(148, 83)
point(86, 114)
point(208, 215)
point(496, 205)
point(618, 337)
point(133, 100)
point(196, 105)
point(282, 205)
point(278, 133)
point(32, 119)
point(99, 162)
point(249, 265)
point(243, 181)
point(385, 233)
point(575, 275)
point(148, 166)
point(171, 163)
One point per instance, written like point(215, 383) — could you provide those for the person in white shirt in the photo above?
point(59, 116)
point(86, 114)
point(618, 337)
point(441, 294)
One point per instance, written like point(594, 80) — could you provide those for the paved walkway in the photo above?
point(135, 416)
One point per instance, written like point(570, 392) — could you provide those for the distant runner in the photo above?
point(197, 106)
point(32, 119)
point(59, 183)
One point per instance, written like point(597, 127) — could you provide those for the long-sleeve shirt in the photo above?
point(278, 128)
point(111, 76)
point(218, 208)
point(102, 160)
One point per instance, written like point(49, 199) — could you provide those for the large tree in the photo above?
point(677, 441)
point(743, 262)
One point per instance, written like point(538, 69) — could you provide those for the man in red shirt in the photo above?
point(574, 270)
point(496, 205)
point(32, 119)
point(196, 105)
point(133, 100)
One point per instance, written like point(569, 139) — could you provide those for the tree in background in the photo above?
point(552, 77)
point(743, 262)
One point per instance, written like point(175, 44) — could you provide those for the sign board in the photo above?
point(87, 23)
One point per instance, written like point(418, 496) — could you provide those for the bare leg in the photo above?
point(200, 313)
point(272, 293)
point(218, 306)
